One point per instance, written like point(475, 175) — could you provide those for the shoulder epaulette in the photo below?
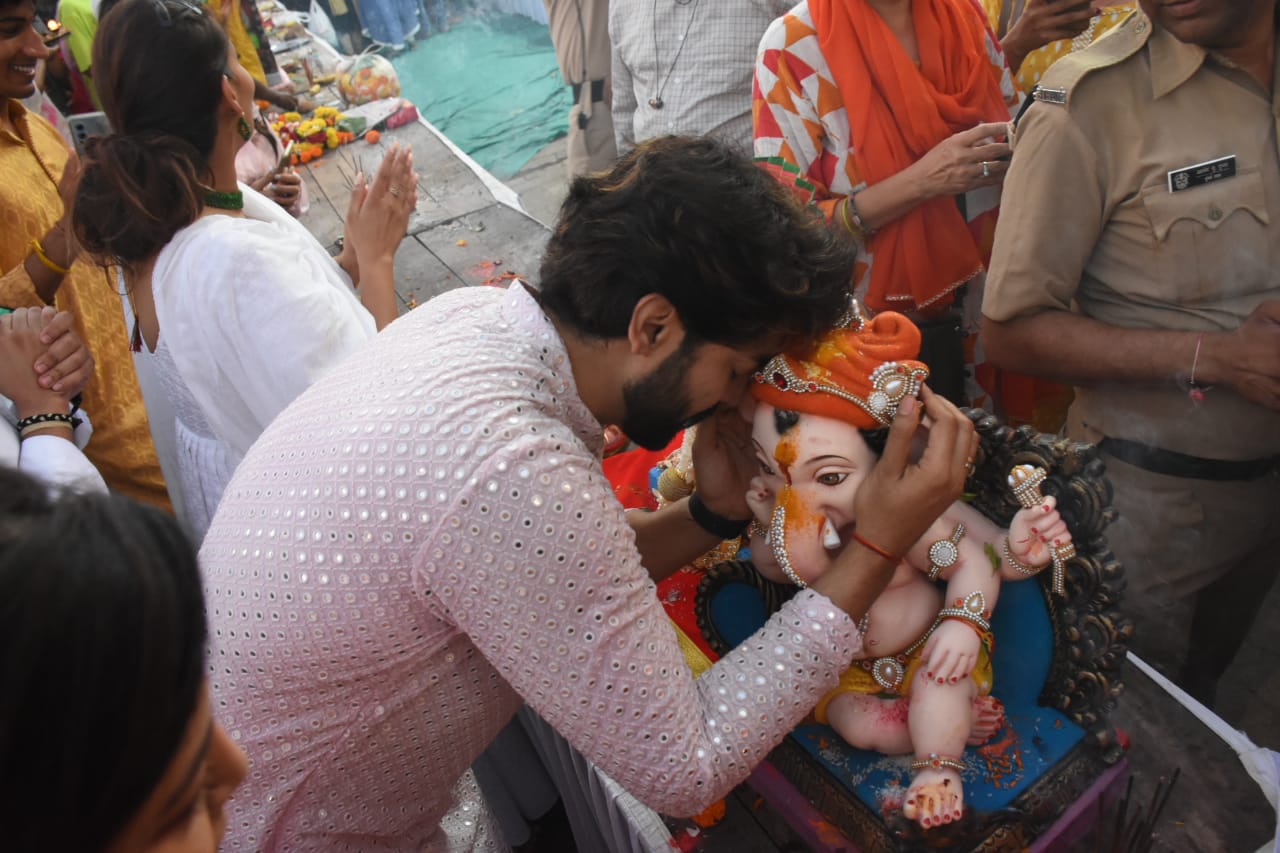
point(1115, 46)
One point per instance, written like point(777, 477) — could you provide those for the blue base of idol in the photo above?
point(1035, 739)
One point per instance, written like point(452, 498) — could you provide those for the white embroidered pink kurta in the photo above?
point(423, 539)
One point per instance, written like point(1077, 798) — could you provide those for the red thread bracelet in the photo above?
point(871, 546)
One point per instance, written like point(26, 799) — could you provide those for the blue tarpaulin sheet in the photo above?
point(491, 84)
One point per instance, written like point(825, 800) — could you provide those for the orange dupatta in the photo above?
point(897, 114)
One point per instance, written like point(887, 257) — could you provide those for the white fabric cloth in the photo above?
point(424, 538)
point(52, 460)
point(699, 54)
point(1262, 764)
point(251, 311)
point(604, 817)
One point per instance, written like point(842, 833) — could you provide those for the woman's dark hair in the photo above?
point(102, 643)
point(785, 419)
point(158, 67)
point(694, 221)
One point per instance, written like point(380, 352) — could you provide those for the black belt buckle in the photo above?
point(1170, 463)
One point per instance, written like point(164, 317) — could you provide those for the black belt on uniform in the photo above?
point(597, 91)
point(1157, 460)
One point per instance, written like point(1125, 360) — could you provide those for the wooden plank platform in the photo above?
point(459, 234)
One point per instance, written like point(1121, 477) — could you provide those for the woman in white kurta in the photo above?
point(250, 312)
point(237, 304)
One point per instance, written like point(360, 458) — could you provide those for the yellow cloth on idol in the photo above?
point(31, 165)
point(228, 12)
point(1039, 61)
point(858, 680)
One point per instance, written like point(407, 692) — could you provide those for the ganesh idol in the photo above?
point(923, 686)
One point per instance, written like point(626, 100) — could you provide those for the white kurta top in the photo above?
point(251, 310)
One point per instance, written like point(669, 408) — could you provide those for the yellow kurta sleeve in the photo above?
point(31, 165)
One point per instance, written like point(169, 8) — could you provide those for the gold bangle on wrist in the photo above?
point(38, 248)
point(848, 223)
point(851, 211)
point(1017, 565)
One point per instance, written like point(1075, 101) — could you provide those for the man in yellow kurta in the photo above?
point(32, 159)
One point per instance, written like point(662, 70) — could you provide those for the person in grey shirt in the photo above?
point(685, 66)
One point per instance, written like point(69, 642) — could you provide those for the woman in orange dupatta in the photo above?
point(892, 115)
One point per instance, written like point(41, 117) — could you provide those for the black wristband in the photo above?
point(714, 523)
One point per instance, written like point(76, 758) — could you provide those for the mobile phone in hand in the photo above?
point(85, 126)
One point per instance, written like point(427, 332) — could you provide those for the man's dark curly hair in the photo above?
point(736, 254)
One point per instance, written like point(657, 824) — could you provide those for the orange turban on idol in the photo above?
point(857, 374)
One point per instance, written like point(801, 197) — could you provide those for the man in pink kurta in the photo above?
point(425, 539)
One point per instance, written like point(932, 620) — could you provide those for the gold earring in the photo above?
point(243, 128)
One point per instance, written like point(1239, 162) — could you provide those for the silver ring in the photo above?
point(395, 191)
point(986, 169)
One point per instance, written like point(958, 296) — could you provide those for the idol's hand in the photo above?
point(951, 653)
point(1034, 532)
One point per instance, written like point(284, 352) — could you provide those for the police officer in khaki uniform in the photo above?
point(1138, 257)
point(580, 33)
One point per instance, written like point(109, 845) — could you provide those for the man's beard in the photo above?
point(657, 405)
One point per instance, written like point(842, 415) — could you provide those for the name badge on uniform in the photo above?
point(1202, 173)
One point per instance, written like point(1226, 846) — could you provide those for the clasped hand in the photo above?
point(43, 362)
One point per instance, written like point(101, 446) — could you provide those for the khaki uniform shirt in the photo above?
point(1090, 223)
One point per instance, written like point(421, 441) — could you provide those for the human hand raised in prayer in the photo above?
point(963, 162)
point(378, 214)
point(60, 242)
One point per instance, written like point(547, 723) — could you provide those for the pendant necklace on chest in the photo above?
point(656, 101)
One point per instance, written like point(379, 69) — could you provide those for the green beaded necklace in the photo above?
point(224, 201)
